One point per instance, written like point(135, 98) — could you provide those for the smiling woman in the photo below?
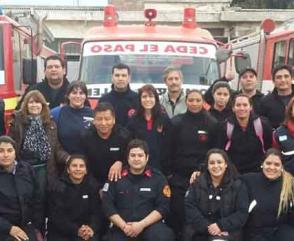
point(78, 218)
point(216, 204)
point(73, 117)
point(36, 138)
point(271, 194)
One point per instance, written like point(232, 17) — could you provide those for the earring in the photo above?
point(261, 166)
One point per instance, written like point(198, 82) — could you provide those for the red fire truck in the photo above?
point(148, 49)
point(21, 60)
point(266, 49)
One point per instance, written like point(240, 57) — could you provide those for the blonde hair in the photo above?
point(38, 97)
point(287, 193)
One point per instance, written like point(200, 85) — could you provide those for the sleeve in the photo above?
point(38, 205)
point(221, 136)
point(166, 157)
point(193, 215)
point(267, 133)
point(5, 226)
point(163, 198)
point(57, 214)
point(239, 217)
point(109, 199)
point(125, 139)
point(263, 106)
point(96, 210)
point(2, 117)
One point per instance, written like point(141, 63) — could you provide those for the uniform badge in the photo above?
point(131, 112)
point(166, 191)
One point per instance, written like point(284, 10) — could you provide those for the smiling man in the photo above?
point(139, 201)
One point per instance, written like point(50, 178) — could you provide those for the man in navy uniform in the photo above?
point(137, 203)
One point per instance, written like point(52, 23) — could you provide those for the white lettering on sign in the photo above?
point(149, 48)
point(2, 77)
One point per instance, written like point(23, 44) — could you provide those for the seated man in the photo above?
point(137, 203)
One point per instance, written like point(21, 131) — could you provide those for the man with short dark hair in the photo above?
point(273, 104)
point(54, 85)
point(137, 203)
point(124, 100)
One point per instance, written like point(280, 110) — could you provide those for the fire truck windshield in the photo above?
point(147, 61)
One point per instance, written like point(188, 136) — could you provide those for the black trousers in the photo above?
point(176, 218)
point(155, 232)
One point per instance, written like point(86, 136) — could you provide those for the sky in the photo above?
point(50, 2)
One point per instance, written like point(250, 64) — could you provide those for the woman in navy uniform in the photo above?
point(138, 202)
point(194, 133)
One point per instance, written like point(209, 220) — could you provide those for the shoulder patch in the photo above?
point(166, 191)
point(105, 187)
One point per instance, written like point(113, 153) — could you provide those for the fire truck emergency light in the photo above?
point(150, 14)
point(110, 16)
point(189, 18)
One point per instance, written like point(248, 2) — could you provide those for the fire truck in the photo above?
point(264, 50)
point(21, 60)
point(148, 49)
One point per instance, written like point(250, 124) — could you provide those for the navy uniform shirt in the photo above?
point(133, 197)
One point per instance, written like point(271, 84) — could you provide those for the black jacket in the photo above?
point(124, 103)
point(193, 135)
point(246, 149)
point(48, 92)
point(226, 205)
point(101, 153)
point(157, 138)
point(133, 197)
point(20, 201)
point(272, 107)
point(263, 221)
point(72, 205)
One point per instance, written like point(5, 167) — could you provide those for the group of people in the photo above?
point(143, 167)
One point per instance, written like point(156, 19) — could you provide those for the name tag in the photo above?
point(114, 148)
point(202, 132)
point(85, 196)
point(87, 118)
point(145, 189)
point(283, 138)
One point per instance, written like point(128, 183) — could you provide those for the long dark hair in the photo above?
point(231, 172)
point(156, 110)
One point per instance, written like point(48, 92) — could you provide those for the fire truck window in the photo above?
point(279, 53)
point(149, 68)
point(291, 53)
point(16, 60)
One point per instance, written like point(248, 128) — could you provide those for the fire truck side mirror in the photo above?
point(29, 71)
point(222, 54)
point(242, 61)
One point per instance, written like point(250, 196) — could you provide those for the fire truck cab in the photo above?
point(21, 61)
point(148, 49)
point(265, 50)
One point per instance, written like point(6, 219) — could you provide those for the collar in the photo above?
point(177, 100)
point(147, 172)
